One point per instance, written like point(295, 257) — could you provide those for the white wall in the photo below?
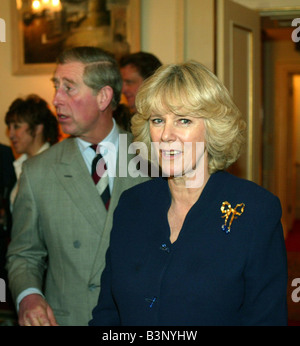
point(158, 28)
point(179, 30)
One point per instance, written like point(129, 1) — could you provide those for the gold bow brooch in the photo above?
point(231, 214)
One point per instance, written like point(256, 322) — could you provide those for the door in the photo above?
point(238, 66)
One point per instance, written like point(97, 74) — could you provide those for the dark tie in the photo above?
point(98, 169)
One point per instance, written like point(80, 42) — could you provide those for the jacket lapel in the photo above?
point(120, 184)
point(73, 175)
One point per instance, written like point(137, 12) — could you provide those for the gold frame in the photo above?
point(20, 67)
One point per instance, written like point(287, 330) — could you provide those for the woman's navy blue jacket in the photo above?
point(209, 276)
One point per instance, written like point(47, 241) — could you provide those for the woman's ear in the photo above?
point(104, 97)
point(39, 129)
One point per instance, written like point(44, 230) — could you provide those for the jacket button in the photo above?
point(92, 287)
point(164, 247)
point(76, 244)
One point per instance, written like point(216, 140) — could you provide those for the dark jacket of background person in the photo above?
point(7, 181)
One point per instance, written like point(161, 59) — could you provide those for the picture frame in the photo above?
point(39, 36)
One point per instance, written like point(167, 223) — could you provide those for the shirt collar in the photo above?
point(112, 137)
point(19, 161)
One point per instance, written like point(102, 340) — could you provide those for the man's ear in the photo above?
point(104, 97)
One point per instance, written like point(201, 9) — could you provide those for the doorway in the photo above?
point(281, 98)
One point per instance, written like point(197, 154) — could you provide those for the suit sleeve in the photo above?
point(266, 269)
point(26, 256)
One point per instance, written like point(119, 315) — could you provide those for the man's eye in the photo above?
point(67, 88)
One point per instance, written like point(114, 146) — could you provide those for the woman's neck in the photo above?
point(187, 190)
point(34, 149)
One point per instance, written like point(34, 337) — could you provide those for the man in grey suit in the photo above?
point(61, 227)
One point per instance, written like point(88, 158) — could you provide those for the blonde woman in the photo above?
point(203, 247)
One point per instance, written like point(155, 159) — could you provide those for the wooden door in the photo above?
point(238, 66)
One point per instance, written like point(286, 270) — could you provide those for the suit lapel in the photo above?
point(73, 175)
point(120, 184)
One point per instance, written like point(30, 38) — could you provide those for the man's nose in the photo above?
point(58, 98)
point(124, 88)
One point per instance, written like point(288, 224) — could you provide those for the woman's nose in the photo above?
point(10, 132)
point(168, 134)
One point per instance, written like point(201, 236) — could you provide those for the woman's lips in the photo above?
point(171, 153)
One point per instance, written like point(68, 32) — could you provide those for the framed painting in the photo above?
point(41, 29)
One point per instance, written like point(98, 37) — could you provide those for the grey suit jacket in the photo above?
point(60, 225)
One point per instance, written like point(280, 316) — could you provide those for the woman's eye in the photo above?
point(185, 121)
point(156, 121)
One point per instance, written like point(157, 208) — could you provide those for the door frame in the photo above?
point(283, 73)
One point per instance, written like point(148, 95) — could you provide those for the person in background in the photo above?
point(32, 128)
point(205, 247)
point(62, 216)
point(135, 68)
point(7, 181)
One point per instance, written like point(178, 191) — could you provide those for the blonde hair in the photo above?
point(191, 89)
